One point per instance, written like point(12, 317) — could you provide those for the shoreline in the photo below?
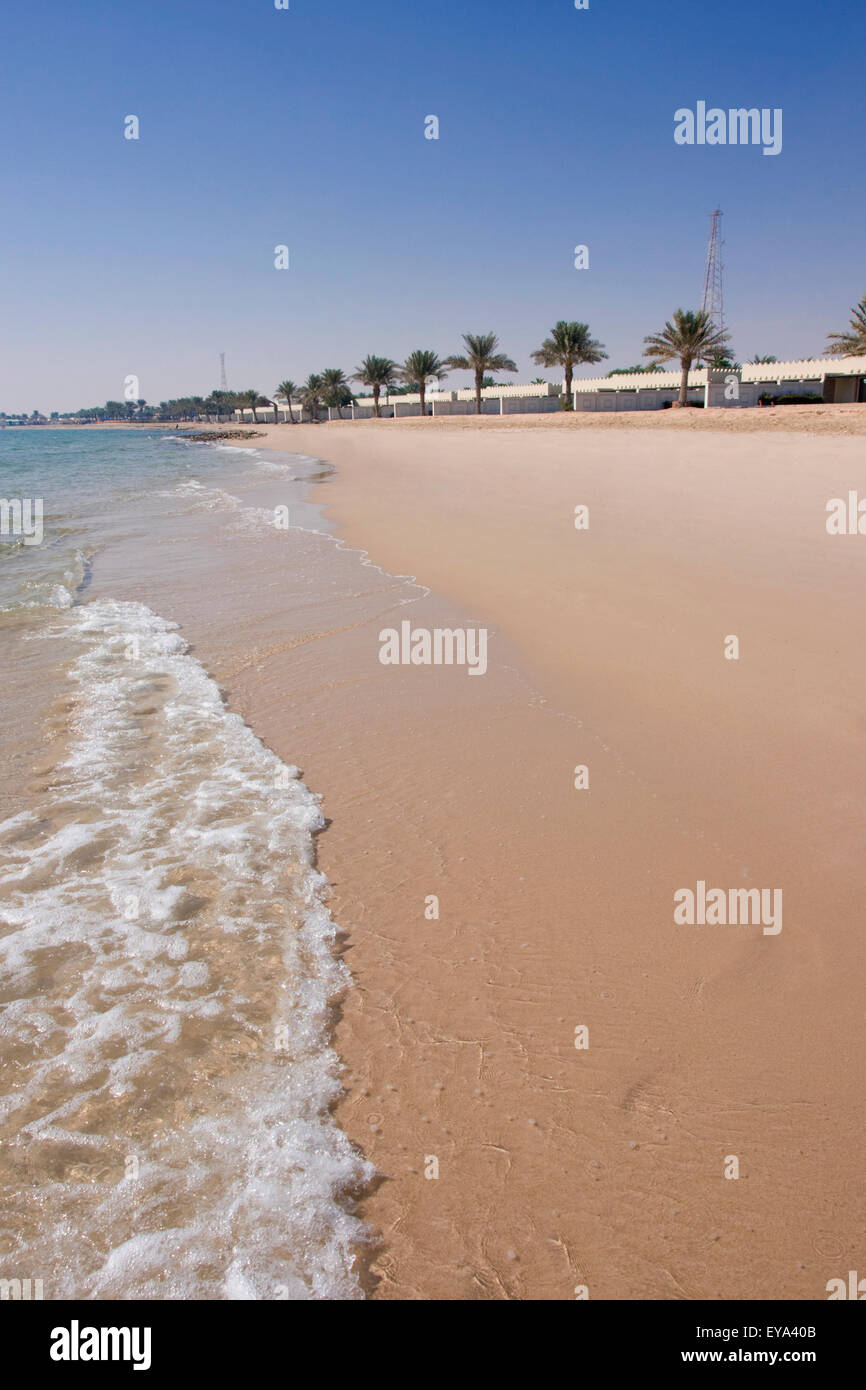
point(849, 418)
point(513, 1161)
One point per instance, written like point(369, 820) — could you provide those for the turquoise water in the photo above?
point(96, 487)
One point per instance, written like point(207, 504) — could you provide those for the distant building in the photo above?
point(835, 380)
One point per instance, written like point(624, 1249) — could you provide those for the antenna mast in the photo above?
point(713, 302)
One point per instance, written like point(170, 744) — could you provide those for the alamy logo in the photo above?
point(75, 1343)
point(737, 126)
point(22, 516)
point(21, 1289)
point(846, 519)
point(717, 907)
point(444, 646)
point(856, 1288)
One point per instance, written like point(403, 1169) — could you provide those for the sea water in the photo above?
point(168, 963)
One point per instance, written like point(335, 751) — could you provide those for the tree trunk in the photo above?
point(422, 391)
point(255, 421)
point(569, 369)
point(376, 410)
point(684, 382)
point(479, 377)
point(276, 412)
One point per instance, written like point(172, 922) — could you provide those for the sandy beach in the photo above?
point(554, 1083)
point(562, 1166)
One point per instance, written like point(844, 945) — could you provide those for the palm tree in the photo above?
point(759, 361)
point(692, 337)
point(568, 345)
point(422, 366)
point(226, 402)
point(335, 389)
point(852, 344)
point(284, 392)
point(376, 372)
point(250, 400)
point(480, 357)
point(311, 396)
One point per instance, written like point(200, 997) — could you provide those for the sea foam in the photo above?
point(170, 974)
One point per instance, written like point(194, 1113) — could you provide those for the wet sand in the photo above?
point(605, 1167)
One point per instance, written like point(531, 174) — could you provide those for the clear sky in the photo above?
point(305, 127)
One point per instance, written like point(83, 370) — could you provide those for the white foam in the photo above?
point(166, 926)
point(216, 499)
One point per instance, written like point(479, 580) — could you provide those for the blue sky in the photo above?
point(306, 127)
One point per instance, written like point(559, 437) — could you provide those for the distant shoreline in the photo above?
point(94, 425)
point(828, 418)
